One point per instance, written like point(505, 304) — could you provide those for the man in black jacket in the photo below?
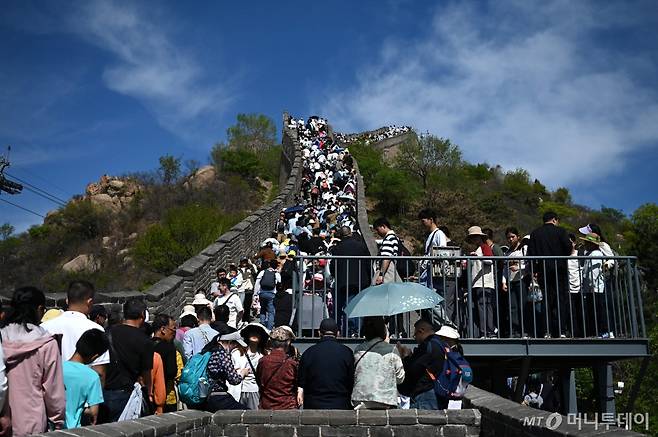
point(351, 275)
point(417, 383)
point(326, 372)
point(552, 275)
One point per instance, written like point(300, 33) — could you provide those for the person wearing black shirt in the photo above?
point(326, 372)
point(351, 275)
point(417, 383)
point(552, 275)
point(131, 359)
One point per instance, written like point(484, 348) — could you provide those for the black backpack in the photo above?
point(268, 281)
point(405, 267)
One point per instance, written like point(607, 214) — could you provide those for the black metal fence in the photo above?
point(484, 297)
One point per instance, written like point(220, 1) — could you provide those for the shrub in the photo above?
point(184, 232)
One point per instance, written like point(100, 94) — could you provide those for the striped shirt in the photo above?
point(390, 246)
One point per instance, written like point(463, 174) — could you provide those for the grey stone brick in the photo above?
point(341, 417)
point(270, 431)
point(432, 417)
point(402, 417)
point(416, 431)
point(314, 417)
point(235, 430)
point(381, 431)
point(87, 431)
point(473, 431)
point(453, 430)
point(344, 431)
point(286, 417)
point(466, 417)
point(372, 417)
point(227, 417)
point(162, 426)
point(308, 431)
point(257, 416)
point(110, 429)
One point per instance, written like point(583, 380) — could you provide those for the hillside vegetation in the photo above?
point(128, 232)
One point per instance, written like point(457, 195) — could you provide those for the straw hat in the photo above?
point(591, 238)
point(476, 230)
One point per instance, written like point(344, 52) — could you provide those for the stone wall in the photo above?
point(502, 418)
point(289, 423)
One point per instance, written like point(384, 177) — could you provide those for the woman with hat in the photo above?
point(483, 282)
point(255, 335)
point(593, 286)
point(222, 371)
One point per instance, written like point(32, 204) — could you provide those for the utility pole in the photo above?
point(6, 185)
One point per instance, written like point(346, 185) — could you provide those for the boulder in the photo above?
point(106, 201)
point(203, 177)
point(117, 184)
point(82, 263)
point(93, 189)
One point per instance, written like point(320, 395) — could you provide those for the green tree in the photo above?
point(562, 195)
point(517, 183)
point(82, 220)
point(241, 161)
point(254, 132)
point(393, 190)
point(169, 170)
point(645, 240)
point(427, 154)
point(6, 230)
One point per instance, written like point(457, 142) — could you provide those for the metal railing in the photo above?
point(484, 297)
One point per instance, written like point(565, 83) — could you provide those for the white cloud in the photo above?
point(524, 85)
point(152, 68)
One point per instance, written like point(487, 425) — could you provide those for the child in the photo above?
point(83, 385)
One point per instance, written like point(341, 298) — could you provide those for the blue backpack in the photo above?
point(456, 374)
point(194, 385)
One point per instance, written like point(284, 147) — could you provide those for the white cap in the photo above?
point(448, 332)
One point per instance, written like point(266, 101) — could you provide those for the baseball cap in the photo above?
point(329, 325)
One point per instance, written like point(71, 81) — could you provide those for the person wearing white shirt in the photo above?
point(231, 300)
point(445, 312)
point(74, 322)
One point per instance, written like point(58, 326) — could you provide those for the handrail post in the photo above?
point(469, 275)
point(631, 294)
point(639, 298)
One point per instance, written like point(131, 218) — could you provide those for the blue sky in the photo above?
point(566, 90)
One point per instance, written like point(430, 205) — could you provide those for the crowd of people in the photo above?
point(80, 365)
point(513, 295)
point(61, 369)
point(372, 137)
